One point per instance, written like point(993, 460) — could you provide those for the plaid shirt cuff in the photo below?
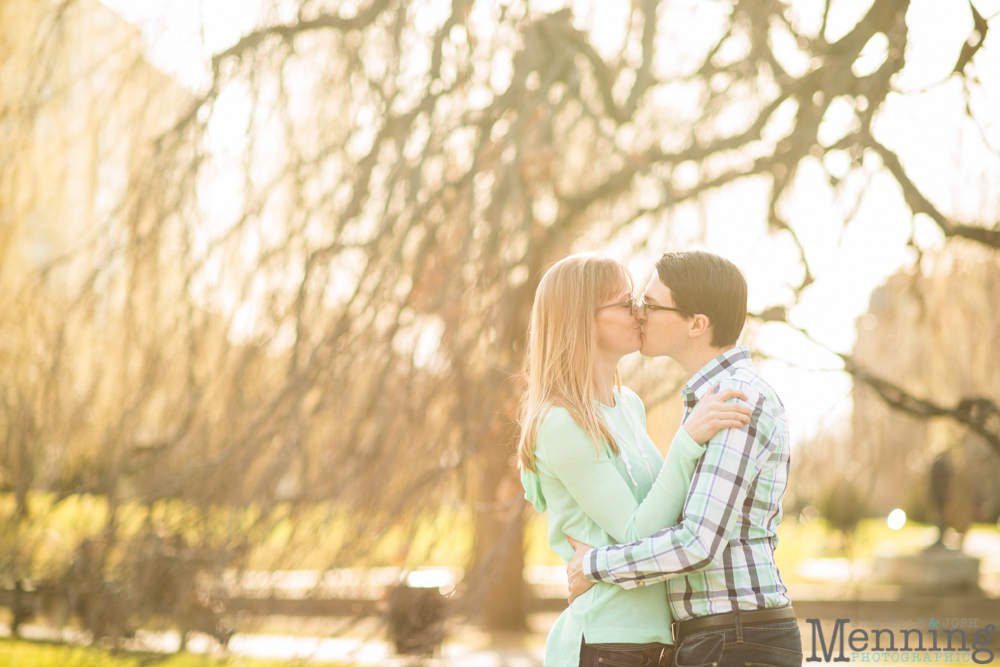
point(590, 569)
point(595, 568)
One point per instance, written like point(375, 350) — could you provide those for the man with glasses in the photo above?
point(729, 603)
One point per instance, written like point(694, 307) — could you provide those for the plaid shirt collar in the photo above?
point(710, 372)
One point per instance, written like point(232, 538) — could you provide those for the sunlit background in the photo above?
point(267, 267)
point(848, 260)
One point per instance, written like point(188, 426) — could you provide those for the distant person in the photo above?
point(586, 459)
point(724, 588)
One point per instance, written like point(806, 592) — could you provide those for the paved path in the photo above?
point(469, 648)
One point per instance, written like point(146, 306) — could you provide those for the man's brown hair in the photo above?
point(710, 285)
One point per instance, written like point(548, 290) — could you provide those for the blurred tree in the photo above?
point(933, 331)
point(313, 286)
point(843, 504)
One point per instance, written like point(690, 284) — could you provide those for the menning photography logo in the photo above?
point(903, 640)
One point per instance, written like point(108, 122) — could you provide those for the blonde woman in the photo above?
point(586, 459)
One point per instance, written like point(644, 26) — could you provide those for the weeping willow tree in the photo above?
point(307, 285)
point(940, 329)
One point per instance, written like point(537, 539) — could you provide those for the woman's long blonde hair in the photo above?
point(562, 345)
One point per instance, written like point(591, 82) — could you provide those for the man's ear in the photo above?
point(700, 325)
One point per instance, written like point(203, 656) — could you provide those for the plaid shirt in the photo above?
point(722, 553)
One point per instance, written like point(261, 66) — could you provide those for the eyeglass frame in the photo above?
point(634, 306)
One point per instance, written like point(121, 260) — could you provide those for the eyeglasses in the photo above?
point(644, 306)
point(640, 305)
point(630, 304)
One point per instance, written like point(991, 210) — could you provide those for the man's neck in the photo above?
point(694, 360)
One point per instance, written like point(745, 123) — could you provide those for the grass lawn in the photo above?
point(21, 653)
point(54, 529)
point(48, 539)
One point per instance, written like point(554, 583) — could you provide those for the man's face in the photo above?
point(664, 332)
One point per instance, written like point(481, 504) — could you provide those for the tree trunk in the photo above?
point(499, 545)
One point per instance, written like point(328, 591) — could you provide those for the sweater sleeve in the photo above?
point(719, 492)
point(670, 489)
point(591, 478)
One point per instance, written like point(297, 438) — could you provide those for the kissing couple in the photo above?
point(670, 562)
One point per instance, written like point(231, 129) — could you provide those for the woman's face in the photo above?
point(618, 331)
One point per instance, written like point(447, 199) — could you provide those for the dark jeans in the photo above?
point(594, 657)
point(774, 644)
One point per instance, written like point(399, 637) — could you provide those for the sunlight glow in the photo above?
point(847, 261)
point(429, 579)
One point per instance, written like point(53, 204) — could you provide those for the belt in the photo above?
point(661, 656)
point(728, 620)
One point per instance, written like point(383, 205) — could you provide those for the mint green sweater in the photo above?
point(602, 499)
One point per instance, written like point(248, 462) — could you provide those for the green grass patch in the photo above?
point(42, 545)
